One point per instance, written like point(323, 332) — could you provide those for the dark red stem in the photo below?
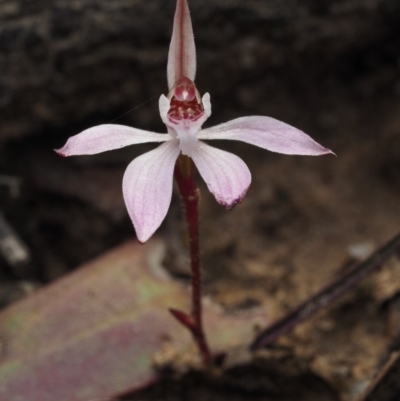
point(184, 175)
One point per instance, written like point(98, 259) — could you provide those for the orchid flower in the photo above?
point(148, 180)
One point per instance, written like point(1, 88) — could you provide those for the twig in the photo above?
point(327, 296)
point(386, 386)
point(14, 251)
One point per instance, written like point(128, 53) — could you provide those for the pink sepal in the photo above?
point(107, 137)
point(267, 133)
point(147, 188)
point(226, 175)
point(182, 50)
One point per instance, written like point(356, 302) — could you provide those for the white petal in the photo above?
point(225, 174)
point(182, 50)
point(164, 104)
point(107, 137)
point(147, 188)
point(267, 133)
point(206, 104)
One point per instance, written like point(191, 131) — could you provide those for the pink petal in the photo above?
point(147, 188)
point(107, 137)
point(182, 51)
point(267, 133)
point(225, 174)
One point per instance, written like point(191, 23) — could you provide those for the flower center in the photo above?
point(185, 101)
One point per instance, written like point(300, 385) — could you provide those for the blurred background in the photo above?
point(328, 67)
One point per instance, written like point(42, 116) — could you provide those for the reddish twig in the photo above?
point(327, 296)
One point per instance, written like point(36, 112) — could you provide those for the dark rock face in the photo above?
point(65, 62)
